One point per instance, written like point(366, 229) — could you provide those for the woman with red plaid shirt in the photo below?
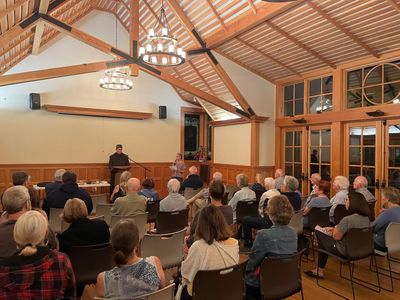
point(35, 272)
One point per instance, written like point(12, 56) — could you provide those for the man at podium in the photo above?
point(118, 163)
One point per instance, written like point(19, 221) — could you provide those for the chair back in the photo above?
point(303, 201)
point(392, 239)
point(340, 212)
point(171, 221)
point(246, 208)
point(259, 194)
point(55, 219)
point(231, 190)
point(43, 183)
point(280, 276)
point(190, 192)
point(88, 261)
point(318, 216)
point(296, 222)
point(167, 247)
point(152, 208)
point(166, 293)
point(139, 219)
point(359, 243)
point(219, 284)
point(97, 199)
point(65, 225)
point(371, 206)
point(104, 210)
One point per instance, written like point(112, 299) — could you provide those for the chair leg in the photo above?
point(383, 271)
point(351, 280)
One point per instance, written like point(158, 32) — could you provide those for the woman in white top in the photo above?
point(213, 249)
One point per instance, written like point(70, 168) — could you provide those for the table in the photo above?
point(101, 184)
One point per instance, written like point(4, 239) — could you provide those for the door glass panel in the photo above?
point(314, 138)
point(369, 134)
point(369, 173)
point(320, 153)
point(355, 136)
point(297, 138)
point(394, 156)
point(369, 156)
point(326, 172)
point(325, 155)
point(297, 154)
point(288, 169)
point(394, 178)
point(289, 138)
point(354, 172)
point(325, 137)
point(293, 153)
point(394, 135)
point(289, 154)
point(355, 155)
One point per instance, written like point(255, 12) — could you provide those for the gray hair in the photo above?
point(392, 195)
point(361, 180)
point(269, 183)
point(291, 183)
point(59, 174)
point(342, 182)
point(217, 176)
point(242, 180)
point(173, 185)
point(15, 198)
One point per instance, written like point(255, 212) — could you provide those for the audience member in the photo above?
point(148, 190)
point(333, 239)
point(23, 178)
point(360, 185)
point(82, 230)
point(16, 202)
point(340, 186)
point(314, 180)
point(52, 186)
point(133, 276)
point(132, 204)
point(289, 189)
point(244, 194)
point(121, 188)
point(178, 167)
point(213, 249)
point(321, 199)
point(269, 185)
point(258, 186)
point(174, 201)
point(279, 176)
point(391, 213)
point(280, 239)
point(68, 190)
point(192, 181)
point(35, 272)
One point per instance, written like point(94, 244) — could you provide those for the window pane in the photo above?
point(394, 135)
point(297, 173)
point(289, 138)
point(355, 156)
point(314, 157)
point(299, 107)
point(355, 135)
point(326, 172)
point(288, 169)
point(353, 173)
point(315, 104)
point(315, 138)
point(297, 155)
point(325, 155)
point(369, 173)
point(325, 137)
point(374, 76)
point(289, 154)
point(314, 168)
point(374, 94)
point(394, 157)
point(315, 87)
point(369, 156)
point(288, 92)
point(192, 136)
point(354, 98)
point(369, 134)
point(394, 178)
point(391, 91)
point(288, 108)
point(392, 73)
point(354, 79)
point(327, 83)
point(299, 90)
point(297, 138)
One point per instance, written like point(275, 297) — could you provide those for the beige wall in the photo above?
point(29, 136)
point(232, 144)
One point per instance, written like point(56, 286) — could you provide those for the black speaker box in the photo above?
point(162, 112)
point(34, 101)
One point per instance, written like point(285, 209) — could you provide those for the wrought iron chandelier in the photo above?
point(161, 48)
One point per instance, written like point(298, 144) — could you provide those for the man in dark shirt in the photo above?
point(192, 181)
point(52, 186)
point(116, 160)
point(24, 179)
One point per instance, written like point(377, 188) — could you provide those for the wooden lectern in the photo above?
point(116, 172)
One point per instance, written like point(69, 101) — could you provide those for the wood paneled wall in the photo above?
point(160, 172)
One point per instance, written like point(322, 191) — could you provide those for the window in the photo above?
point(293, 95)
point(293, 154)
point(192, 136)
point(374, 85)
point(320, 95)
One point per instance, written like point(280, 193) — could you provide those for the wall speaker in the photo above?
point(34, 101)
point(162, 112)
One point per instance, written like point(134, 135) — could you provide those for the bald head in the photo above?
point(192, 170)
point(133, 184)
point(279, 173)
point(217, 176)
point(360, 182)
point(315, 178)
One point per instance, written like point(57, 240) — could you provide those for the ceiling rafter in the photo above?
point(283, 65)
point(37, 38)
point(202, 78)
point(342, 28)
point(252, 6)
point(134, 33)
point(301, 45)
point(394, 4)
point(4, 11)
point(221, 22)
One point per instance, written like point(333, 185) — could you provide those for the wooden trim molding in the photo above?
point(96, 112)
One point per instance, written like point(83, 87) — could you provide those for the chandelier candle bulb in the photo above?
point(151, 32)
point(141, 51)
point(173, 59)
point(154, 59)
point(149, 48)
point(159, 47)
point(171, 48)
point(164, 60)
point(164, 31)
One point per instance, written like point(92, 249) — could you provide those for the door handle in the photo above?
point(383, 184)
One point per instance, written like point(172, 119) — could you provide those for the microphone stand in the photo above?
point(140, 165)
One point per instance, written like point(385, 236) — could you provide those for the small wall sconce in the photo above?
point(300, 121)
point(376, 113)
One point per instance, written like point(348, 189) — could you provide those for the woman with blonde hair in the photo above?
point(121, 189)
point(53, 275)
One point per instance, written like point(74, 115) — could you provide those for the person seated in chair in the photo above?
point(391, 213)
point(174, 201)
point(321, 200)
point(52, 186)
point(360, 185)
point(192, 181)
point(82, 230)
point(148, 190)
point(279, 177)
point(314, 180)
point(133, 276)
point(244, 194)
point(24, 179)
point(121, 189)
point(333, 239)
point(258, 186)
point(289, 189)
point(132, 204)
point(340, 186)
point(280, 239)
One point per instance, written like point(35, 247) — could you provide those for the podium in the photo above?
point(116, 172)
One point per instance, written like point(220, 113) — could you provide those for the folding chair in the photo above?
point(280, 276)
point(98, 199)
point(166, 293)
point(190, 192)
point(317, 216)
point(220, 284)
point(139, 219)
point(171, 221)
point(371, 206)
point(296, 222)
point(246, 208)
point(339, 213)
point(104, 210)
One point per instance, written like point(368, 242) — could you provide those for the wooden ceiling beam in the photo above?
point(18, 29)
point(301, 45)
point(202, 78)
point(6, 10)
point(342, 28)
point(37, 38)
point(283, 65)
point(134, 33)
point(394, 4)
point(252, 6)
point(216, 14)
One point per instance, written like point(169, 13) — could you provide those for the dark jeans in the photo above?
point(249, 223)
point(380, 248)
point(327, 243)
point(253, 292)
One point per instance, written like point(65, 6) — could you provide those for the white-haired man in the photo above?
point(52, 186)
point(193, 180)
point(279, 177)
point(174, 201)
point(360, 185)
